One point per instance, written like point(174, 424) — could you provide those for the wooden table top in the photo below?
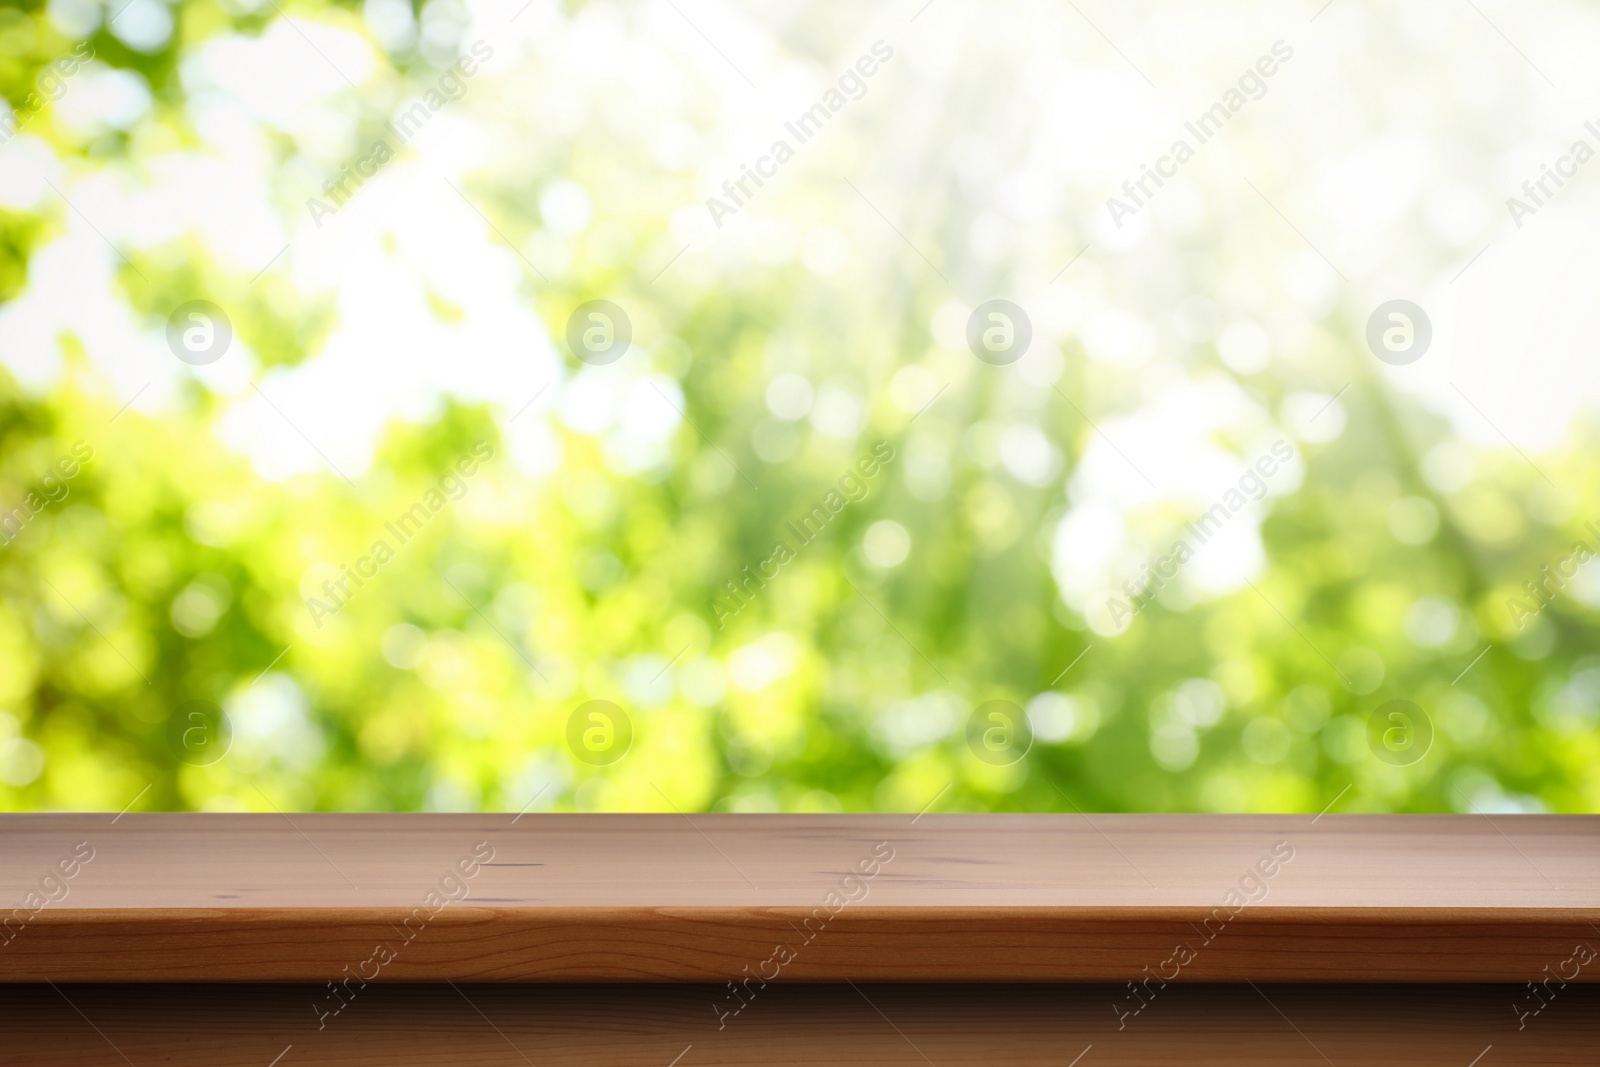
point(167, 861)
point(546, 897)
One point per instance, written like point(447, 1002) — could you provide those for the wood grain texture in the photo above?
point(796, 898)
point(789, 1026)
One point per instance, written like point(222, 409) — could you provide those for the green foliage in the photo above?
point(172, 571)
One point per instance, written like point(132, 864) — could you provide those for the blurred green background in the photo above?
point(374, 348)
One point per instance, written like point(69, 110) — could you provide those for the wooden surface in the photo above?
point(708, 897)
point(839, 1026)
